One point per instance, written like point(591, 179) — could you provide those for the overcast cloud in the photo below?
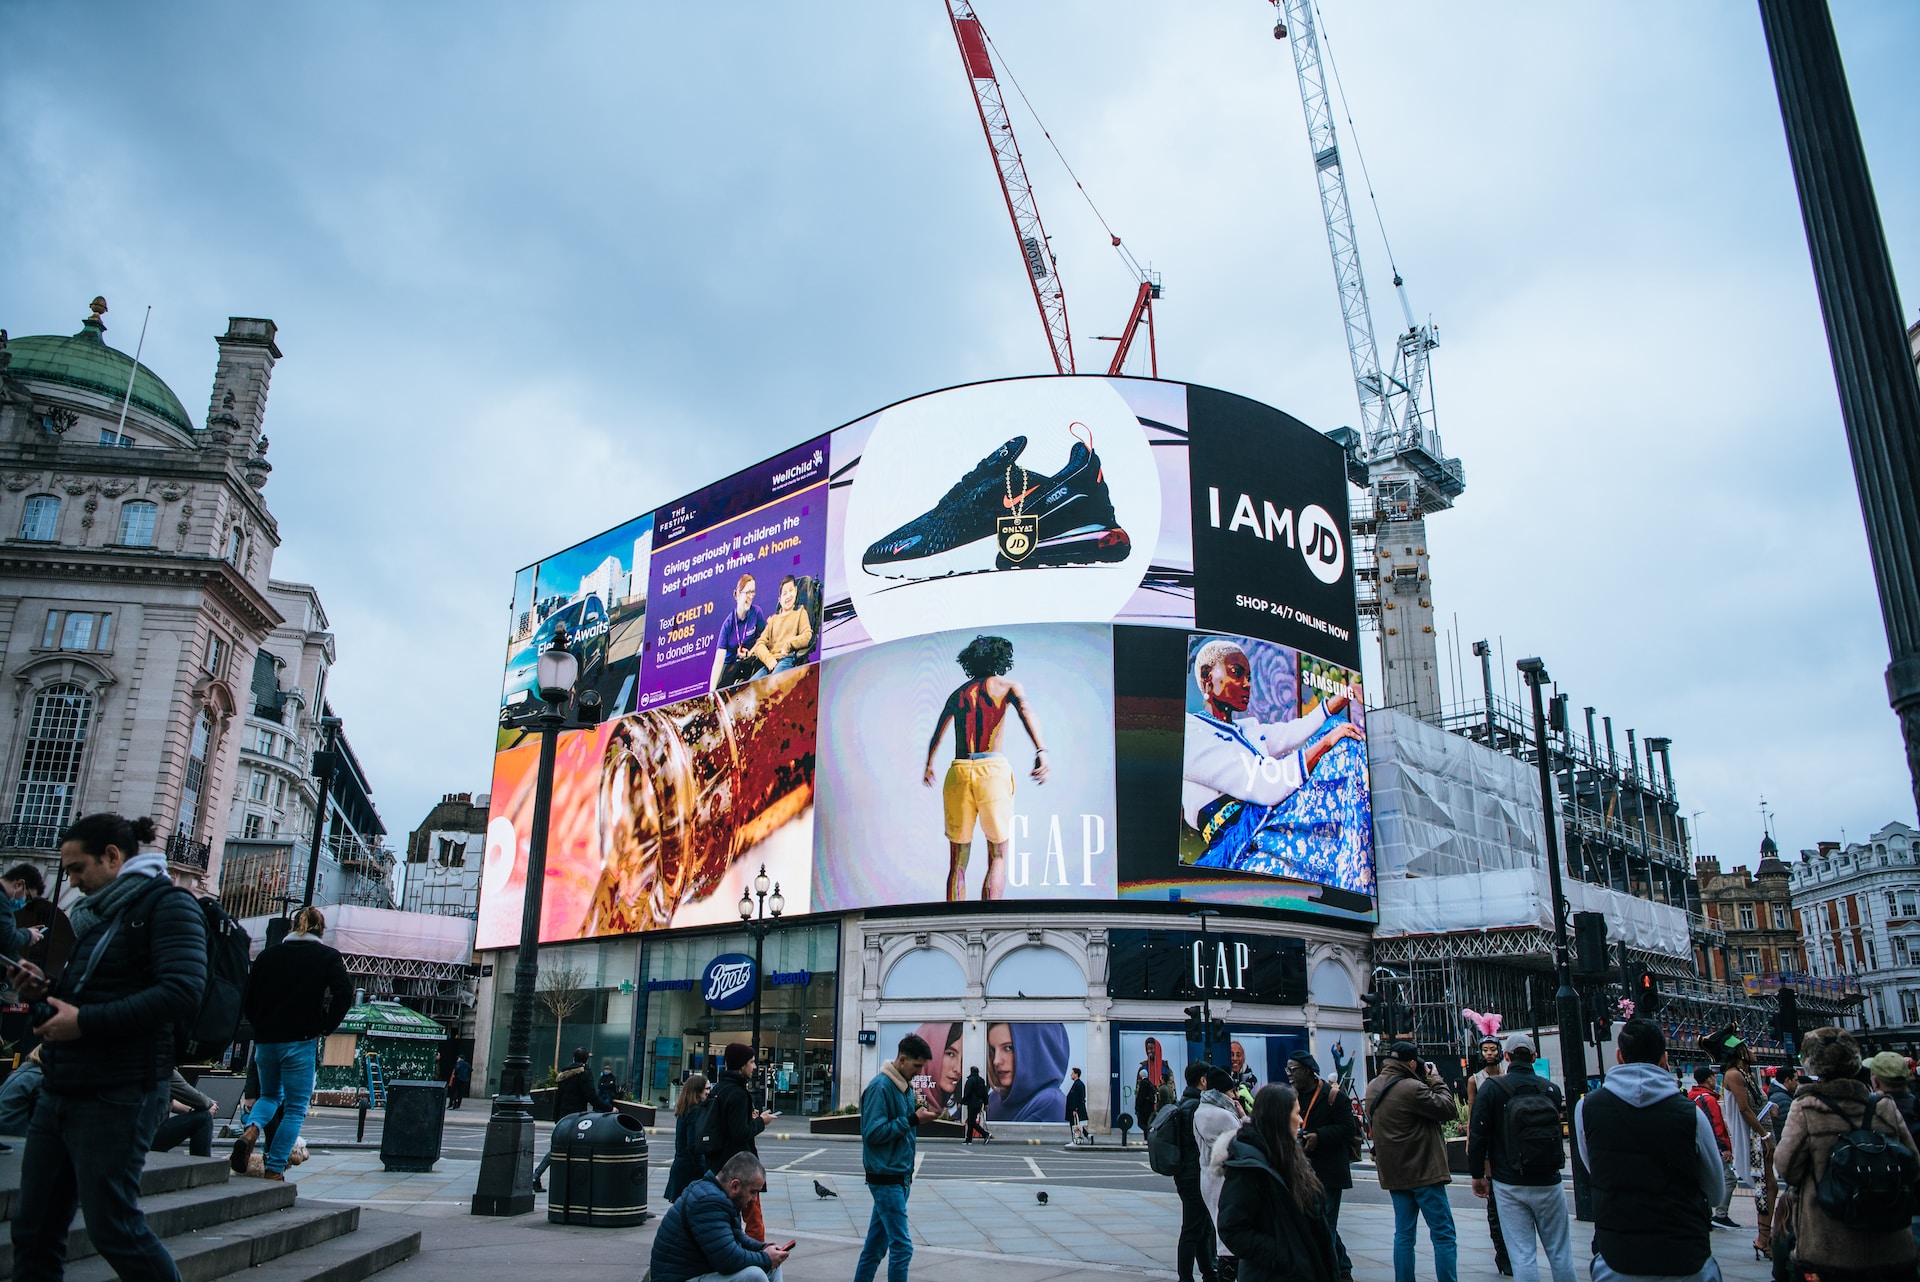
point(538, 269)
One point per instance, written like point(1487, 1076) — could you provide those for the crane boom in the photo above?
point(1042, 272)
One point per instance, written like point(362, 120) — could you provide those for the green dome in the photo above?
point(86, 361)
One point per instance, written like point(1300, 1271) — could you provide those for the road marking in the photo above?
point(1054, 1262)
point(796, 1161)
point(1038, 1174)
point(919, 1156)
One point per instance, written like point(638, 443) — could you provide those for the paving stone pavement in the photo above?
point(959, 1226)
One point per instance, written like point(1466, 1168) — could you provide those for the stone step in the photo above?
point(164, 1173)
point(351, 1258)
point(202, 1255)
point(182, 1211)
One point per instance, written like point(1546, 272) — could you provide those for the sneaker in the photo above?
point(1725, 1222)
point(1077, 525)
point(243, 1149)
point(957, 535)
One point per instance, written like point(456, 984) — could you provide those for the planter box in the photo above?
point(644, 1114)
point(1457, 1156)
point(849, 1124)
point(543, 1103)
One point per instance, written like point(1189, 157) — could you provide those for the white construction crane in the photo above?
point(1397, 455)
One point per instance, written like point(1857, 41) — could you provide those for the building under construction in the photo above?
point(1467, 913)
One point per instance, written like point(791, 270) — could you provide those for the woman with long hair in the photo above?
point(1270, 1203)
point(687, 1166)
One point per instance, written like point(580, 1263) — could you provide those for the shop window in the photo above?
point(1332, 986)
point(925, 973)
point(1037, 971)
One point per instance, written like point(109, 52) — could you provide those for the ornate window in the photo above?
point(196, 777)
point(50, 769)
point(136, 524)
point(42, 520)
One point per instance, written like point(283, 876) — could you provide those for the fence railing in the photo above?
point(30, 836)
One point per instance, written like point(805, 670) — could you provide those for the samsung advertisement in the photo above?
point(1053, 638)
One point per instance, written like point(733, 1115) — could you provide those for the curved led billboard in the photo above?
point(1059, 639)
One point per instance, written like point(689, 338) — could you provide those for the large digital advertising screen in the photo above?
point(1061, 638)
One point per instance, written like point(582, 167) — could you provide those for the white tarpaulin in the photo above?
point(1459, 844)
point(384, 932)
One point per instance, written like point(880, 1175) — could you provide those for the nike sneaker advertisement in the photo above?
point(1054, 638)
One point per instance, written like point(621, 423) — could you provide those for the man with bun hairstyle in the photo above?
point(138, 968)
point(297, 992)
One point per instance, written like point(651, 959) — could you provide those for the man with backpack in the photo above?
point(729, 1122)
point(1653, 1164)
point(298, 992)
point(1513, 1134)
point(138, 970)
point(1406, 1103)
point(1173, 1150)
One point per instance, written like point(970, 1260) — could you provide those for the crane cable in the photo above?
point(1353, 132)
point(1126, 255)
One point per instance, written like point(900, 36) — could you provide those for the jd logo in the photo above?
point(1320, 543)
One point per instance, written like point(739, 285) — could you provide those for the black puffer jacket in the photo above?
point(730, 1113)
point(573, 1092)
point(150, 977)
point(1263, 1227)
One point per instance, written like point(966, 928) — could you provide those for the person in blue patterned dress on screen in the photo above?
point(1250, 787)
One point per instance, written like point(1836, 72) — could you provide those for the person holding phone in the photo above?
point(704, 1234)
point(890, 1112)
point(1407, 1103)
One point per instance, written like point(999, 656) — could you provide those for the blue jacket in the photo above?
point(18, 1097)
point(887, 1135)
point(1040, 1061)
point(703, 1233)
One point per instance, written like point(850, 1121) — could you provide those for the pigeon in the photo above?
point(1041, 1197)
point(821, 1190)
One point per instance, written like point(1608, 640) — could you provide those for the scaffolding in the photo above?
point(266, 878)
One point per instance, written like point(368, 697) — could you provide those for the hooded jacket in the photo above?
point(1822, 1112)
point(1707, 1100)
point(1273, 1240)
point(573, 1092)
point(1643, 1086)
point(1408, 1149)
point(1782, 1100)
point(974, 1093)
point(1215, 1123)
point(1040, 1055)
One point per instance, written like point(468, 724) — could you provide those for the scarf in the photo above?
point(136, 875)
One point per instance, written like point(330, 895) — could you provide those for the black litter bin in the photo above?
point(416, 1117)
point(599, 1172)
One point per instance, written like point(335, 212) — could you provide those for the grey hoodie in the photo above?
point(1641, 1085)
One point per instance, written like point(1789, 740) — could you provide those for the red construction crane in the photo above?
point(1035, 248)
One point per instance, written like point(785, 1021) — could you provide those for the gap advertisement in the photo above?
point(1075, 638)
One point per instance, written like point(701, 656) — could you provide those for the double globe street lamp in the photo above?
point(759, 918)
point(506, 1161)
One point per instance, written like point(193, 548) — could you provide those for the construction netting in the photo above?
point(1459, 844)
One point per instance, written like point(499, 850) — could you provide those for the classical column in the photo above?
point(1872, 365)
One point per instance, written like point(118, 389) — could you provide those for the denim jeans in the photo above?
point(887, 1235)
point(1332, 1213)
point(1527, 1209)
point(88, 1150)
point(286, 1088)
point(193, 1128)
point(752, 1273)
point(1431, 1202)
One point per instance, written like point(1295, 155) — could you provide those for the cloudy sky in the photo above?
point(538, 270)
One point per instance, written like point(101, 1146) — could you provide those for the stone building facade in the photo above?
point(444, 858)
point(135, 555)
point(1858, 908)
point(1753, 909)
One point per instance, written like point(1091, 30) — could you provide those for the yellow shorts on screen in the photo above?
point(979, 789)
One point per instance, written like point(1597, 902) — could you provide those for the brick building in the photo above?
point(1754, 909)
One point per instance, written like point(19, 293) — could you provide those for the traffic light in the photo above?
point(1590, 943)
point(1646, 991)
point(1216, 1032)
point(1786, 1020)
point(1195, 1026)
point(1373, 1014)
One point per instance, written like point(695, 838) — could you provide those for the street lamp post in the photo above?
point(1206, 989)
point(323, 762)
point(1573, 1050)
point(505, 1186)
point(759, 917)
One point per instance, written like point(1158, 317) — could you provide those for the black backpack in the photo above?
point(1170, 1136)
point(229, 958)
point(1869, 1180)
point(1530, 1126)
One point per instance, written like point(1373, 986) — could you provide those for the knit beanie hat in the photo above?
point(738, 1053)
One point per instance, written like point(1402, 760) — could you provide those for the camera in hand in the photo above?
point(41, 1012)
